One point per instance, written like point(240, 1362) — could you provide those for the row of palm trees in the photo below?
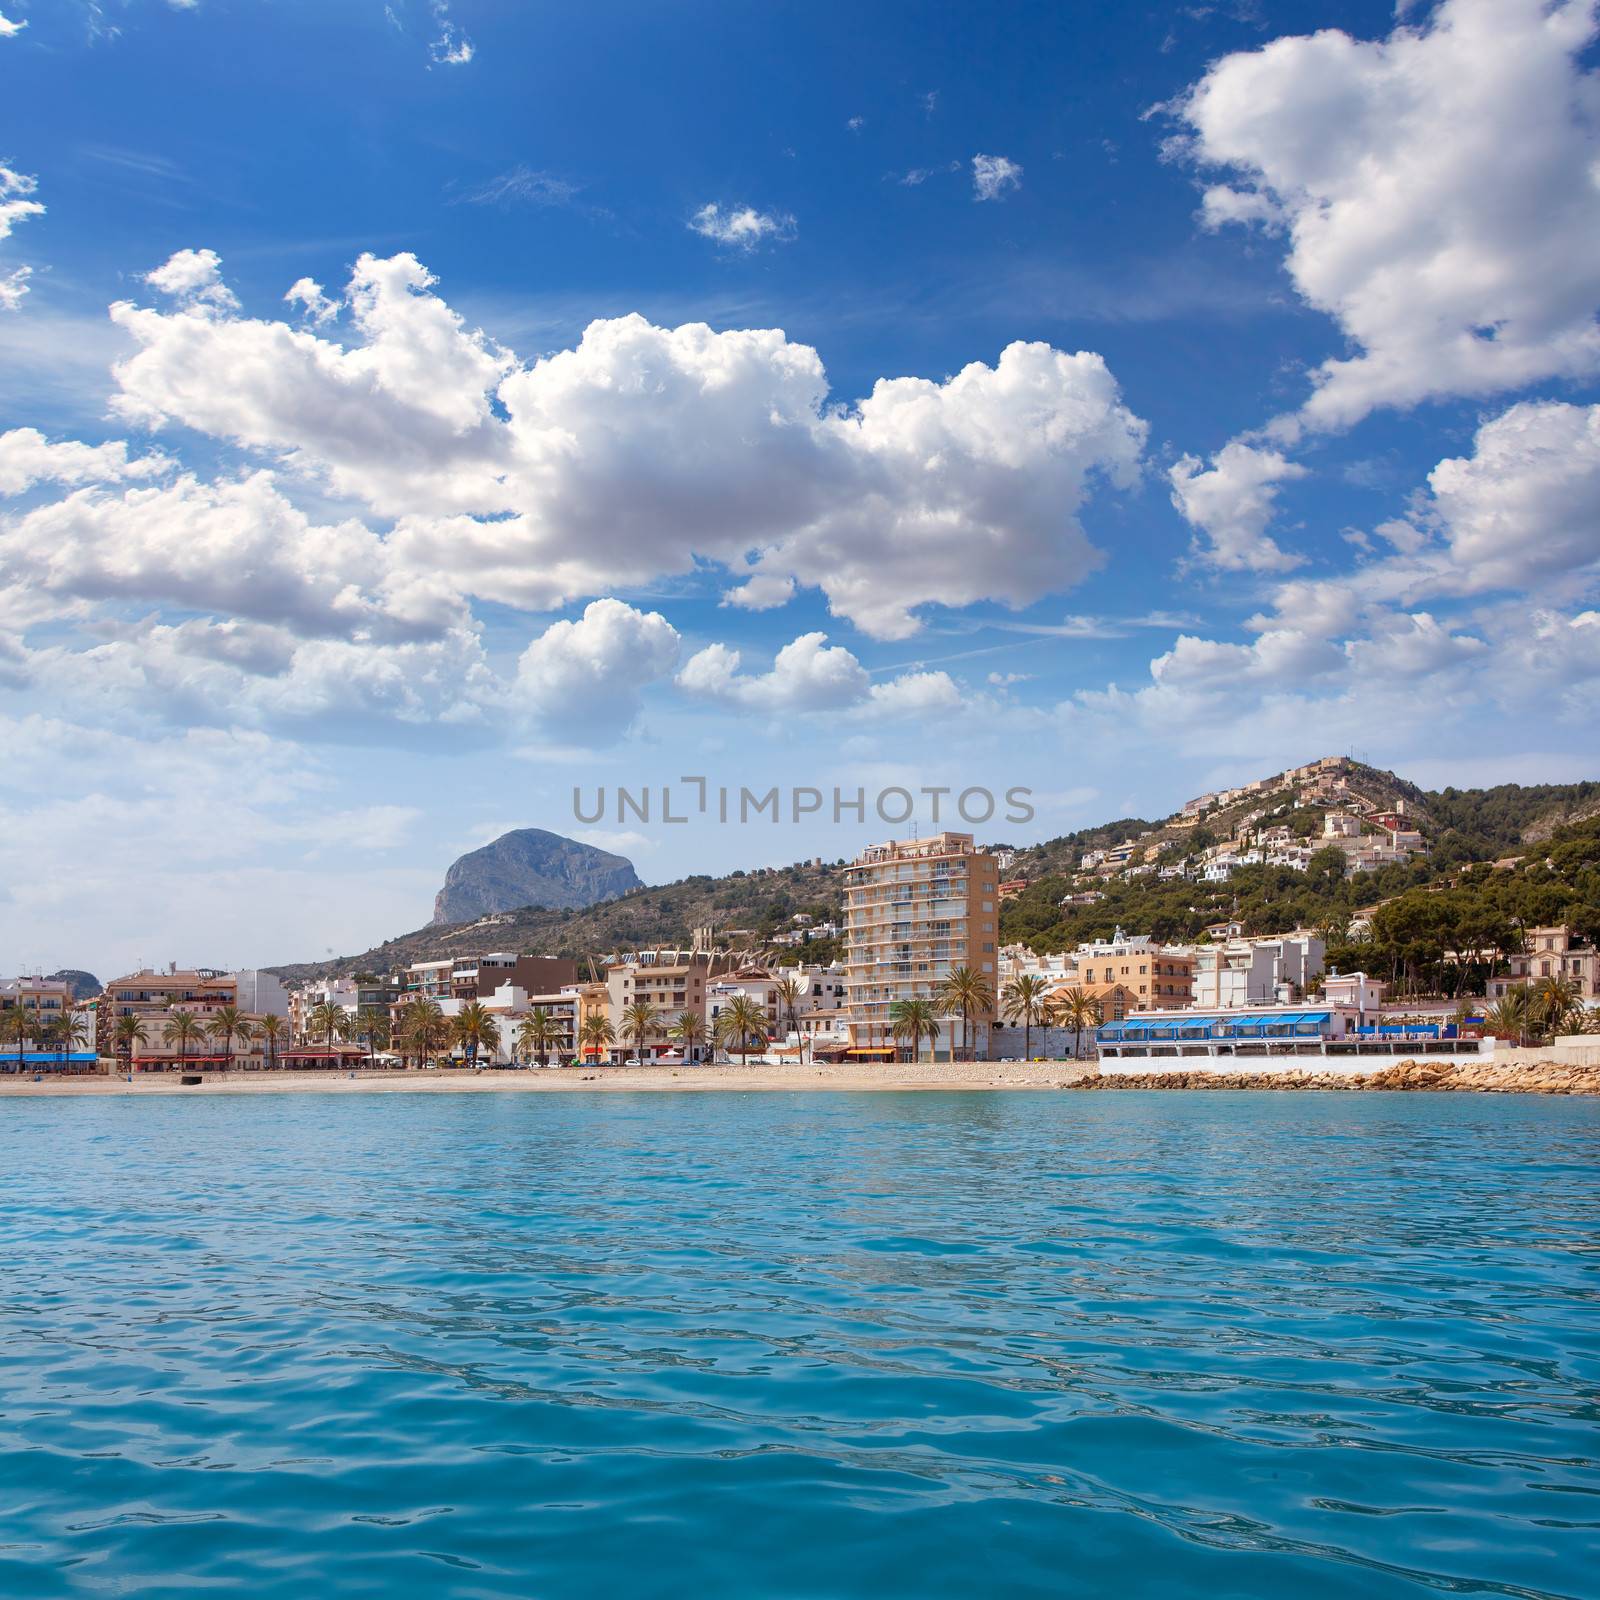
point(59, 1035)
point(968, 994)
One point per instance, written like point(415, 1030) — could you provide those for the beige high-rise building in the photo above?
point(915, 909)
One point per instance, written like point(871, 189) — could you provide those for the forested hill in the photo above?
point(745, 908)
point(1463, 829)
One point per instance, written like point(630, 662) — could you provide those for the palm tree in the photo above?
point(537, 1032)
point(740, 1021)
point(914, 1020)
point(271, 1028)
point(1025, 997)
point(21, 1025)
point(1508, 1018)
point(475, 1027)
point(596, 1033)
point(689, 1029)
point(969, 993)
point(372, 1025)
point(790, 992)
point(327, 1020)
point(1075, 1009)
point(69, 1030)
point(182, 1029)
point(130, 1030)
point(226, 1026)
point(423, 1028)
point(1552, 1001)
point(638, 1023)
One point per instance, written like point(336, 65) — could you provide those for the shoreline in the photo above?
point(1539, 1077)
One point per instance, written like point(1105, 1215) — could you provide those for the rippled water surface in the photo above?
point(923, 1345)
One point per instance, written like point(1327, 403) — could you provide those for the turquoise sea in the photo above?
point(800, 1345)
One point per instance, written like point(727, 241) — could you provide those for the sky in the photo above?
point(422, 420)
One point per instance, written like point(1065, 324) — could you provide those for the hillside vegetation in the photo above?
point(1550, 832)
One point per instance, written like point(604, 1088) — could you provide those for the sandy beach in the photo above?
point(1525, 1078)
point(924, 1075)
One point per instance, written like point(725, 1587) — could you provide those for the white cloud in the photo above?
point(963, 490)
point(194, 279)
point(1520, 514)
point(307, 294)
point(993, 175)
point(764, 592)
point(8, 28)
point(27, 458)
point(1438, 191)
point(445, 472)
point(808, 674)
point(525, 186)
point(13, 286)
point(452, 48)
point(1524, 508)
point(587, 676)
point(1232, 503)
point(238, 548)
point(914, 694)
point(15, 204)
point(743, 227)
point(646, 451)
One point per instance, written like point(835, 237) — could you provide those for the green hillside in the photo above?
point(1466, 831)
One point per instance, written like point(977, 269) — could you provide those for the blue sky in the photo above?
point(1235, 371)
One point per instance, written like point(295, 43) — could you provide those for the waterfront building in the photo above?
point(915, 909)
point(1155, 974)
point(668, 981)
point(202, 992)
point(1254, 972)
point(1317, 1035)
point(1553, 952)
point(44, 1001)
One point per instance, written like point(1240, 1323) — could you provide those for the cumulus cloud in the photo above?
point(1436, 189)
point(808, 674)
point(1521, 513)
point(1232, 502)
point(914, 694)
point(646, 451)
point(307, 294)
point(27, 458)
point(587, 676)
point(993, 175)
point(194, 279)
point(239, 548)
point(1524, 507)
point(742, 227)
point(8, 28)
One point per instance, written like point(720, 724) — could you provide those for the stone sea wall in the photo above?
point(1539, 1075)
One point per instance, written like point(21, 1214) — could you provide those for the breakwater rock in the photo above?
point(1483, 1077)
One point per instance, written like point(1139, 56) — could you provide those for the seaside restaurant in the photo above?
point(1307, 1029)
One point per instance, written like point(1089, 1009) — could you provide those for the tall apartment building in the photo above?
point(915, 909)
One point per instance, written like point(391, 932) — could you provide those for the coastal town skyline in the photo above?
point(377, 474)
